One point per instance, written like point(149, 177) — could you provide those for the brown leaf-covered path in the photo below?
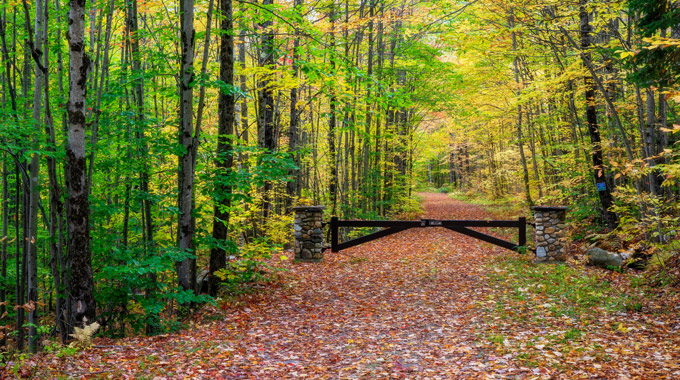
point(414, 305)
point(399, 307)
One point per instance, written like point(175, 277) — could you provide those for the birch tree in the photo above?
point(81, 283)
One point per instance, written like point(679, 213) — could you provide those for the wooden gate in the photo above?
point(460, 226)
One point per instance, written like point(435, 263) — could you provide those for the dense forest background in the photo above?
point(148, 145)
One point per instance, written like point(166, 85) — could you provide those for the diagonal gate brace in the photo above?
point(367, 238)
point(484, 237)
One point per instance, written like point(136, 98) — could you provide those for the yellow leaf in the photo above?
point(675, 128)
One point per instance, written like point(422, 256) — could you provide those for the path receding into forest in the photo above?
point(401, 306)
point(408, 306)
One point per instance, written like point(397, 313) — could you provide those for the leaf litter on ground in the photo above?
point(421, 304)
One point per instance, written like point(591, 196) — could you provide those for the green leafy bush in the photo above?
point(140, 291)
point(250, 267)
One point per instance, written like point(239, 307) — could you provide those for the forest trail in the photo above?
point(414, 305)
point(399, 307)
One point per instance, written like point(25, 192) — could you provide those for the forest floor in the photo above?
point(420, 304)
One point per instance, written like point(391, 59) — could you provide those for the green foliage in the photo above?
point(655, 63)
point(654, 15)
point(569, 290)
point(279, 231)
point(250, 268)
point(139, 289)
point(266, 167)
point(407, 208)
point(437, 110)
point(643, 216)
point(61, 350)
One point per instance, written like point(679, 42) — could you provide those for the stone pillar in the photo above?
point(549, 233)
point(308, 233)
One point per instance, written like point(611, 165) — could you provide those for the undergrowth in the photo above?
point(562, 310)
point(508, 206)
point(568, 290)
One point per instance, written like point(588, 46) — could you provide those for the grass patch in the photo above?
point(357, 260)
point(497, 339)
point(547, 313)
point(560, 289)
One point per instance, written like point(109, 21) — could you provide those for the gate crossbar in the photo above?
point(460, 226)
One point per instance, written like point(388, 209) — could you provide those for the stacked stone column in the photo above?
point(308, 233)
point(550, 233)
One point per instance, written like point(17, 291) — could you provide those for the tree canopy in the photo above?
point(152, 150)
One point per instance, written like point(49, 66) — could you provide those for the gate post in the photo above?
point(549, 233)
point(334, 234)
point(308, 233)
point(522, 239)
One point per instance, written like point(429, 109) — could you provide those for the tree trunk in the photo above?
point(31, 234)
point(244, 89)
point(332, 159)
point(8, 65)
point(651, 144)
point(5, 228)
point(204, 69)
point(55, 226)
point(520, 140)
point(81, 282)
point(603, 190)
point(293, 185)
point(224, 158)
point(19, 261)
point(366, 180)
point(265, 97)
point(186, 268)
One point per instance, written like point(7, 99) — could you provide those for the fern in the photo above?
point(84, 335)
